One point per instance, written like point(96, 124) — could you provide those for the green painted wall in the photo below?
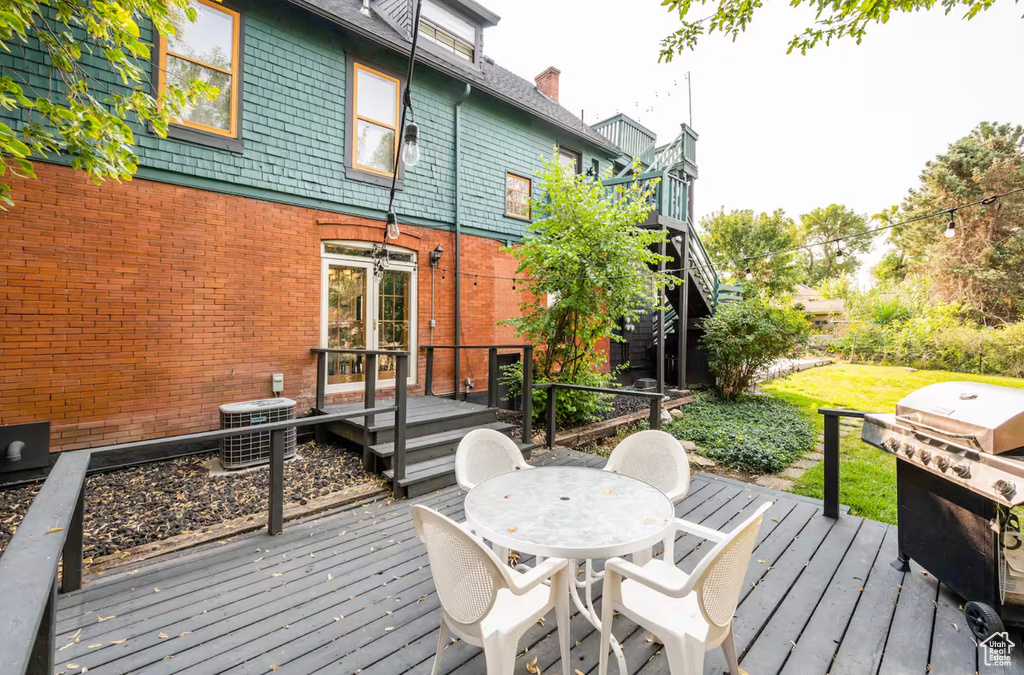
point(293, 127)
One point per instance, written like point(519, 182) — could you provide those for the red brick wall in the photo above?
point(134, 310)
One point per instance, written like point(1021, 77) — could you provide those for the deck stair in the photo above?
point(435, 427)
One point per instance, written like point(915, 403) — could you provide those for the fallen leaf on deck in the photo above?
point(513, 529)
point(184, 634)
point(277, 574)
point(273, 667)
point(532, 666)
point(56, 529)
point(156, 590)
point(106, 618)
point(117, 642)
point(98, 644)
point(389, 628)
point(72, 665)
point(507, 496)
point(163, 635)
point(775, 520)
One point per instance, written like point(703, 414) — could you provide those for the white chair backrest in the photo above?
point(483, 454)
point(654, 457)
point(466, 573)
point(718, 578)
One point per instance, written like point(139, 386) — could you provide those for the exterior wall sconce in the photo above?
point(435, 256)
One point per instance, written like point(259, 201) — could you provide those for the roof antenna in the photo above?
point(365, 9)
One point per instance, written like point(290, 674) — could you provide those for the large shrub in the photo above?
point(762, 434)
point(585, 267)
point(743, 338)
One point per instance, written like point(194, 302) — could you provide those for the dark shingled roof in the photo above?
point(491, 78)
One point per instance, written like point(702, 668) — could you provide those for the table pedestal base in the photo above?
point(587, 610)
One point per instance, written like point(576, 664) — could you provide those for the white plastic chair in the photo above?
point(483, 454)
point(656, 458)
point(484, 602)
point(690, 613)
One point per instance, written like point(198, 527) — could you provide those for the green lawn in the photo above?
point(867, 476)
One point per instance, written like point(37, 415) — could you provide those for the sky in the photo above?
point(848, 124)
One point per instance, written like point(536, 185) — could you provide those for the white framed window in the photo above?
point(361, 310)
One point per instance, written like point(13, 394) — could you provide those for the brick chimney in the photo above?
point(547, 82)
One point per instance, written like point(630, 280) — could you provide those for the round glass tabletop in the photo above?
point(569, 512)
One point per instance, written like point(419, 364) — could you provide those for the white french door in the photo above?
point(361, 310)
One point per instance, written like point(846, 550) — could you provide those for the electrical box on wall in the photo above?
point(24, 446)
point(277, 383)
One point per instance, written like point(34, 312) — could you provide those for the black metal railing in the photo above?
point(492, 378)
point(831, 462)
point(370, 398)
point(552, 404)
point(53, 528)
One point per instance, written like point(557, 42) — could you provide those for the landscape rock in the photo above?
point(773, 482)
point(701, 460)
point(677, 413)
point(689, 446)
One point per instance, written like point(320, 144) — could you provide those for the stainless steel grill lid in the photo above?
point(985, 416)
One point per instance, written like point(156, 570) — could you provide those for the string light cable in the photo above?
point(747, 261)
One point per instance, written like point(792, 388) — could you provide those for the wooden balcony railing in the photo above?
point(492, 377)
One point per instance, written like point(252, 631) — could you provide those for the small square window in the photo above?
point(517, 196)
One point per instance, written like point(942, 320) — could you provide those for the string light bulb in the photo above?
point(411, 149)
point(391, 225)
point(839, 254)
point(951, 228)
point(750, 274)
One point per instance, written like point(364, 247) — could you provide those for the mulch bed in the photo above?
point(155, 501)
point(621, 405)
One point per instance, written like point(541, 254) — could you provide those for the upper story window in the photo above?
point(376, 100)
point(570, 158)
point(517, 196)
point(205, 50)
point(448, 30)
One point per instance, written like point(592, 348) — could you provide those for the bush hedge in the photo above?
point(761, 434)
point(937, 341)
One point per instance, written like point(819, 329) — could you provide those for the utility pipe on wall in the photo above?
point(458, 234)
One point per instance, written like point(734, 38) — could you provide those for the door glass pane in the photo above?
point(346, 322)
point(393, 319)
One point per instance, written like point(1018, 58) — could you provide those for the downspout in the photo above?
point(458, 236)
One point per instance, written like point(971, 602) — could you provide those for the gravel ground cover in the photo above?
point(155, 501)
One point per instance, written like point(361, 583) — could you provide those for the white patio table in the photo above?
point(575, 513)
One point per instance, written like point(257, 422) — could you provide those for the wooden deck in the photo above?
point(351, 592)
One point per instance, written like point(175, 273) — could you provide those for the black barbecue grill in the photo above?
point(960, 447)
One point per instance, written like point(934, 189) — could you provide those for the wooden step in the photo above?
point(431, 446)
point(434, 474)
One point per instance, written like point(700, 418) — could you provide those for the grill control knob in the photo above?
point(942, 462)
point(907, 449)
point(962, 469)
point(1005, 487)
point(924, 455)
point(891, 444)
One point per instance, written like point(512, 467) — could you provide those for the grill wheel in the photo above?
point(982, 620)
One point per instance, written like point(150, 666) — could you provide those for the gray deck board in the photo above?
point(824, 600)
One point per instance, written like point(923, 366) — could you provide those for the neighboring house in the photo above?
point(132, 310)
point(826, 316)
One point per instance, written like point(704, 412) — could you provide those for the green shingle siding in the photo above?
point(293, 126)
